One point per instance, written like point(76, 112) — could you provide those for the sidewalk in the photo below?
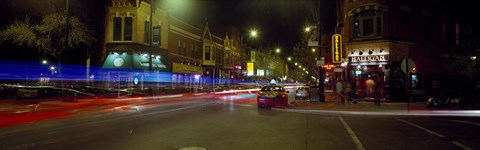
point(332, 103)
point(359, 106)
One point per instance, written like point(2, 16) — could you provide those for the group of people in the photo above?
point(345, 90)
point(348, 89)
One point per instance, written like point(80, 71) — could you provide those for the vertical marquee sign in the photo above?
point(337, 48)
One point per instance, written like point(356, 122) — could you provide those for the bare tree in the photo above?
point(48, 35)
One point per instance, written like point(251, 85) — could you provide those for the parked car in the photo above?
point(271, 96)
point(302, 92)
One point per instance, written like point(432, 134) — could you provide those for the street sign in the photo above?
point(312, 43)
point(407, 64)
point(320, 63)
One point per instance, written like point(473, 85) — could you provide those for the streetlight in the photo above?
point(321, 71)
point(277, 50)
point(289, 58)
point(44, 62)
point(253, 33)
point(307, 29)
point(296, 64)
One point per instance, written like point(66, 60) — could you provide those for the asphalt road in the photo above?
point(236, 123)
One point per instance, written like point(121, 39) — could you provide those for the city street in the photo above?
point(233, 121)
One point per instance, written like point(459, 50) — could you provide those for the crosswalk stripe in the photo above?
point(352, 134)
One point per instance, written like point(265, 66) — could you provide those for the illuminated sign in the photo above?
point(250, 66)
point(328, 67)
point(250, 69)
point(369, 58)
point(337, 48)
point(187, 69)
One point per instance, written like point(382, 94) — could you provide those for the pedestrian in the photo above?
point(339, 90)
point(348, 90)
point(377, 89)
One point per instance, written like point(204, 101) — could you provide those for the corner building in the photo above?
point(133, 36)
point(379, 34)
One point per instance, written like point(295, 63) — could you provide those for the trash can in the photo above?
point(315, 93)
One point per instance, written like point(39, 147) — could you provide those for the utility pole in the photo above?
point(150, 37)
point(321, 72)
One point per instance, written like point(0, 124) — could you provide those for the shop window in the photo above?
point(117, 29)
point(368, 24)
point(147, 32)
point(128, 29)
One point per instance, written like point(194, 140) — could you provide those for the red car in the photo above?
point(271, 96)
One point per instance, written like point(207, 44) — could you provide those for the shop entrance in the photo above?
point(368, 78)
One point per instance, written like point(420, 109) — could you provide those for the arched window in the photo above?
point(368, 24)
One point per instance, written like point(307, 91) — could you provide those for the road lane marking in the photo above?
point(465, 122)
point(436, 134)
point(352, 135)
point(461, 145)
point(424, 129)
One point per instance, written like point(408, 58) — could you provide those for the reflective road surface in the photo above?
point(234, 122)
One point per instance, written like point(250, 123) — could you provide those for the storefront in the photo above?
point(130, 70)
point(372, 64)
point(185, 75)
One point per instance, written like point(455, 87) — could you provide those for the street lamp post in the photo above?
point(321, 72)
point(150, 37)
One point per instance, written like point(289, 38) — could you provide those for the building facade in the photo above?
point(184, 47)
point(393, 40)
point(183, 55)
point(135, 42)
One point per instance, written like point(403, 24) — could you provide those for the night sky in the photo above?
point(279, 22)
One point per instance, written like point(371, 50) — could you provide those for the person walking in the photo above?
point(348, 90)
point(377, 89)
point(339, 90)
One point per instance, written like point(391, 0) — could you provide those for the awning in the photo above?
point(134, 61)
point(186, 69)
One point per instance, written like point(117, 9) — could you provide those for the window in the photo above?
point(428, 28)
point(128, 29)
point(368, 24)
point(147, 32)
point(117, 29)
point(214, 52)
point(193, 50)
point(180, 50)
point(184, 48)
point(157, 36)
point(207, 53)
point(228, 60)
point(405, 18)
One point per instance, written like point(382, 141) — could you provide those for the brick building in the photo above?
point(379, 34)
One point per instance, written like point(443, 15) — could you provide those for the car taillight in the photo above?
point(284, 95)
